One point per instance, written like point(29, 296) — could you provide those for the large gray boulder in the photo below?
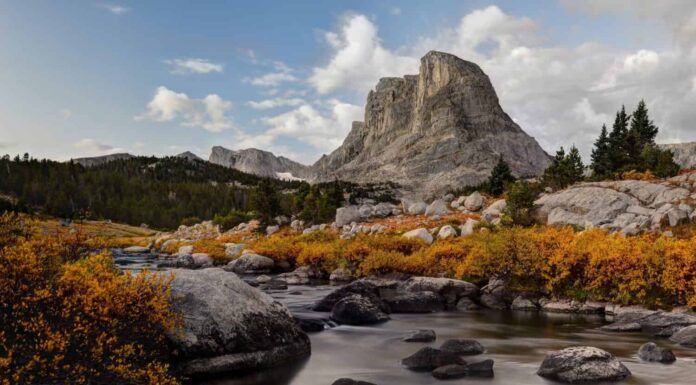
point(229, 326)
point(451, 290)
point(358, 310)
point(437, 207)
point(474, 202)
point(417, 208)
point(251, 264)
point(346, 215)
point(685, 336)
point(422, 234)
point(582, 364)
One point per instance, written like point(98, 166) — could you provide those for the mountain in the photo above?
point(261, 163)
point(100, 160)
point(438, 130)
point(189, 155)
point(684, 153)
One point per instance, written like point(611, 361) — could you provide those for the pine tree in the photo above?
point(573, 165)
point(618, 154)
point(500, 176)
point(264, 200)
point(641, 124)
point(601, 159)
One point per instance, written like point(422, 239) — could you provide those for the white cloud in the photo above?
point(193, 65)
point(274, 103)
point(282, 74)
point(116, 9)
point(90, 147)
point(323, 129)
point(66, 113)
point(558, 94)
point(209, 113)
point(359, 59)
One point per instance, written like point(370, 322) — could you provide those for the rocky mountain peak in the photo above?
point(259, 162)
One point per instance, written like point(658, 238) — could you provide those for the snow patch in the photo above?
point(288, 176)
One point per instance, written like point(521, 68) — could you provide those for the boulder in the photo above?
point(202, 260)
point(229, 326)
point(417, 208)
point(446, 231)
point(428, 358)
point(582, 364)
point(685, 336)
point(136, 250)
point(468, 227)
point(481, 369)
point(310, 325)
point(495, 295)
point(341, 275)
point(383, 209)
point(414, 302)
point(423, 335)
point(422, 234)
point(524, 304)
point(357, 310)
point(365, 211)
point(303, 275)
point(233, 250)
point(450, 372)
point(474, 202)
point(466, 304)
point(361, 287)
point(652, 352)
point(349, 381)
point(270, 230)
point(346, 215)
point(437, 207)
point(494, 210)
point(452, 290)
point(194, 261)
point(463, 347)
point(185, 250)
point(251, 264)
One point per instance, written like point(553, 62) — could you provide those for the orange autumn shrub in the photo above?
point(278, 247)
point(67, 317)
point(324, 254)
point(214, 249)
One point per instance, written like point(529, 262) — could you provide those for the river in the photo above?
point(516, 341)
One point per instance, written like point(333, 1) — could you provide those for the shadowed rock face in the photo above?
point(433, 131)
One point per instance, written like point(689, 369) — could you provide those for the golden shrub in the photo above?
point(69, 317)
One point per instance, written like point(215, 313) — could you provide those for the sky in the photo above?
point(86, 78)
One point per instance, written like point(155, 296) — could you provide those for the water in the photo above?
point(136, 262)
point(516, 341)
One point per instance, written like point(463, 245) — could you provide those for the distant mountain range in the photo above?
point(432, 132)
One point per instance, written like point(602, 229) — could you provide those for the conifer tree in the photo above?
point(601, 159)
point(574, 166)
point(641, 124)
point(618, 154)
point(500, 176)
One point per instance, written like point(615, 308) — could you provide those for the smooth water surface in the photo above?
point(516, 341)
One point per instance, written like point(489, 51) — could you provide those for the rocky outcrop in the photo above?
point(99, 160)
point(258, 162)
point(628, 206)
point(684, 153)
point(582, 364)
point(229, 326)
point(188, 155)
point(443, 126)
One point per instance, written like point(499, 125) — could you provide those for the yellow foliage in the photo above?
point(70, 317)
point(638, 175)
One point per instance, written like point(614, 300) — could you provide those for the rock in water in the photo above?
point(357, 310)
point(685, 336)
point(652, 352)
point(362, 287)
point(430, 358)
point(449, 372)
point(423, 335)
point(348, 381)
point(229, 326)
point(463, 347)
point(582, 364)
point(432, 132)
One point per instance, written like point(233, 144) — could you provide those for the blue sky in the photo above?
point(83, 78)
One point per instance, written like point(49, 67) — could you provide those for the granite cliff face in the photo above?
point(431, 132)
point(99, 160)
point(684, 153)
point(258, 162)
